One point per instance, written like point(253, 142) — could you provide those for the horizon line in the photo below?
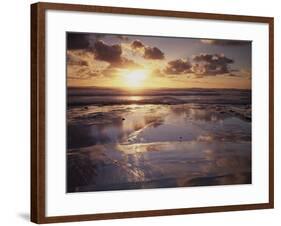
point(151, 88)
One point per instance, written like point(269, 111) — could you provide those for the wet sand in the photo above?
point(135, 146)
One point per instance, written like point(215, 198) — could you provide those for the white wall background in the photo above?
point(15, 114)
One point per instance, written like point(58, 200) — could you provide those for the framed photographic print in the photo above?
point(140, 112)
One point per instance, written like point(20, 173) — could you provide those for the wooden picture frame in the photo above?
point(38, 108)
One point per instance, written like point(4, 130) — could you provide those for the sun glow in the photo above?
point(135, 79)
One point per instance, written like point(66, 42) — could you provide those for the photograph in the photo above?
point(133, 104)
point(148, 112)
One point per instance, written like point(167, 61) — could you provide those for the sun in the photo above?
point(135, 79)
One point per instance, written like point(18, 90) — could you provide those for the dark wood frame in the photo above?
point(38, 22)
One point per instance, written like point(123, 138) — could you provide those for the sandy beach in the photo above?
point(184, 142)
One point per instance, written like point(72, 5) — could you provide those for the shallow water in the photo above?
point(136, 146)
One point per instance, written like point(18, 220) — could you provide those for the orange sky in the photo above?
point(134, 62)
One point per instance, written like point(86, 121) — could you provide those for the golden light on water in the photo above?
point(135, 98)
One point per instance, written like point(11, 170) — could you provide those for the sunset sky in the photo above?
point(139, 62)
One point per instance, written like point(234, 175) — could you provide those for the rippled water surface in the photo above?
point(132, 146)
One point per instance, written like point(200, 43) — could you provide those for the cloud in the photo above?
point(153, 53)
point(89, 56)
point(200, 66)
point(211, 64)
point(75, 60)
point(87, 40)
point(108, 53)
point(224, 42)
point(179, 66)
point(82, 65)
point(243, 73)
point(112, 54)
point(212, 58)
point(136, 44)
point(81, 73)
point(77, 41)
point(102, 60)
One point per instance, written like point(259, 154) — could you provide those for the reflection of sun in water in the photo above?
point(135, 98)
point(135, 79)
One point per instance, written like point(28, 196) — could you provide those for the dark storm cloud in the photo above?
point(78, 41)
point(224, 42)
point(108, 53)
point(212, 58)
point(136, 44)
point(153, 53)
point(87, 40)
point(112, 54)
point(178, 66)
point(211, 64)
